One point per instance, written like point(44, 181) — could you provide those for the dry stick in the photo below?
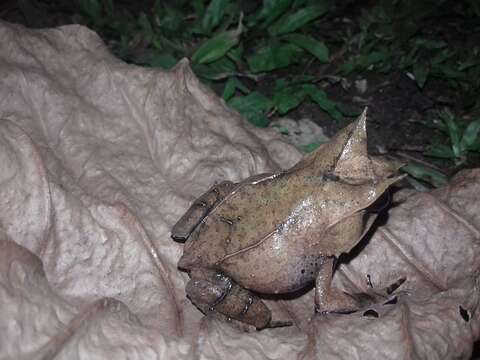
point(412, 148)
point(414, 159)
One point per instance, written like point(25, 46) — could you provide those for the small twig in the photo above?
point(412, 148)
point(414, 159)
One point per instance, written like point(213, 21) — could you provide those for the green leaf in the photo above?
point(429, 44)
point(216, 70)
point(470, 135)
point(170, 20)
point(92, 8)
point(158, 9)
point(162, 60)
point(374, 58)
point(198, 7)
point(348, 67)
point(475, 5)
point(213, 15)
point(420, 71)
point(236, 53)
point(273, 57)
point(468, 63)
point(281, 129)
point(231, 86)
point(442, 56)
point(109, 7)
point(320, 97)
point(301, 78)
point(429, 175)
point(308, 43)
point(475, 146)
point(440, 151)
point(216, 47)
point(159, 59)
point(363, 62)
point(293, 21)
point(288, 97)
point(253, 107)
point(448, 71)
point(453, 131)
point(145, 24)
point(271, 10)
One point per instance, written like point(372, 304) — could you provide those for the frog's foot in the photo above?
point(336, 301)
point(331, 300)
point(211, 291)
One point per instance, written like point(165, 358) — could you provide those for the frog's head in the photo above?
point(352, 163)
point(346, 158)
point(351, 181)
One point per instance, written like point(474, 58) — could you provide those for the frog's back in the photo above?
point(246, 217)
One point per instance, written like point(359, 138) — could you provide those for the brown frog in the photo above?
point(277, 233)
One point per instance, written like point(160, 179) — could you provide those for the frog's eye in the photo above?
point(370, 313)
point(329, 176)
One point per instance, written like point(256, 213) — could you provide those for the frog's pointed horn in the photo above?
point(327, 156)
point(353, 158)
point(354, 163)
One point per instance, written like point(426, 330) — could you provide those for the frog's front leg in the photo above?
point(213, 291)
point(329, 299)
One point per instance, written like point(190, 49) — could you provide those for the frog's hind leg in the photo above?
point(331, 300)
point(213, 291)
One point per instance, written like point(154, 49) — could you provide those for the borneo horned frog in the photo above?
point(277, 233)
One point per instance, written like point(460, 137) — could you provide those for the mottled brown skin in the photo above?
point(277, 233)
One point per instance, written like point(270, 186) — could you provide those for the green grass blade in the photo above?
point(429, 175)
point(440, 151)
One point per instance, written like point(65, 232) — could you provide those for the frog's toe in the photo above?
point(394, 286)
point(339, 302)
point(336, 301)
point(279, 323)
